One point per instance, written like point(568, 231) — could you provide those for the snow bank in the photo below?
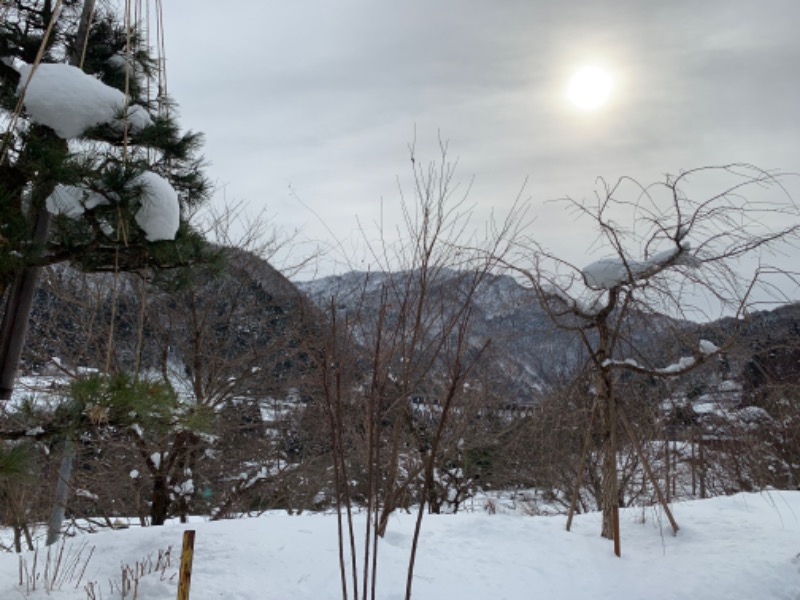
point(69, 101)
point(744, 546)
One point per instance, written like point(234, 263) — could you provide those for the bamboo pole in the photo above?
point(187, 554)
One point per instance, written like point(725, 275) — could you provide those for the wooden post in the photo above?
point(187, 553)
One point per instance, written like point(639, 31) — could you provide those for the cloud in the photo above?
point(326, 96)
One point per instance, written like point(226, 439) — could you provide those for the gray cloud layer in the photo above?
point(326, 96)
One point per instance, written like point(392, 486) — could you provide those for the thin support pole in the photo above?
point(584, 452)
point(646, 463)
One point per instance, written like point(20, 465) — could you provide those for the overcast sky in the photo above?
point(318, 100)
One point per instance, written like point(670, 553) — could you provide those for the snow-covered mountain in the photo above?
point(526, 356)
point(527, 353)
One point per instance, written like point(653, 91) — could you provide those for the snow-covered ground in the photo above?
point(744, 546)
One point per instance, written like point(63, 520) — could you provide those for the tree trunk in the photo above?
point(18, 308)
point(610, 485)
point(160, 500)
point(62, 493)
point(76, 55)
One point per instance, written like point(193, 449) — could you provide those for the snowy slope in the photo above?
point(744, 546)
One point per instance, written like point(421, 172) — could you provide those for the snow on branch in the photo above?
point(69, 101)
point(684, 363)
point(608, 273)
point(159, 214)
point(707, 348)
point(681, 366)
point(72, 201)
point(159, 208)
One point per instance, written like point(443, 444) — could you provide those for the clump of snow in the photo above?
point(608, 273)
point(754, 414)
point(630, 362)
point(69, 101)
point(707, 347)
point(156, 458)
point(134, 474)
point(184, 489)
point(605, 273)
point(159, 214)
point(683, 363)
point(120, 63)
point(86, 494)
point(730, 386)
point(589, 305)
point(72, 201)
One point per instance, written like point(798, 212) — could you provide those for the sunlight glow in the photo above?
point(589, 88)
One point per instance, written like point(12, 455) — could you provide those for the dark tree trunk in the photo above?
point(159, 508)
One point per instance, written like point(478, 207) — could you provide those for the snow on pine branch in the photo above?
point(72, 201)
point(69, 101)
point(158, 214)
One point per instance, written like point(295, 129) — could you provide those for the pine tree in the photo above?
point(107, 187)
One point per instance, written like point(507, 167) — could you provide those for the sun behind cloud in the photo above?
point(590, 87)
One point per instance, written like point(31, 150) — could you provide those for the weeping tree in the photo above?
point(94, 170)
point(671, 250)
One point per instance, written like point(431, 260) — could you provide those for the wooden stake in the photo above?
point(187, 553)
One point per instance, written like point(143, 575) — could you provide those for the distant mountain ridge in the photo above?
point(527, 356)
point(527, 353)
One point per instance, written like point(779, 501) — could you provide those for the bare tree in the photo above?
point(397, 363)
point(671, 251)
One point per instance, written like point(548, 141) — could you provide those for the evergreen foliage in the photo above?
point(14, 461)
point(103, 160)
